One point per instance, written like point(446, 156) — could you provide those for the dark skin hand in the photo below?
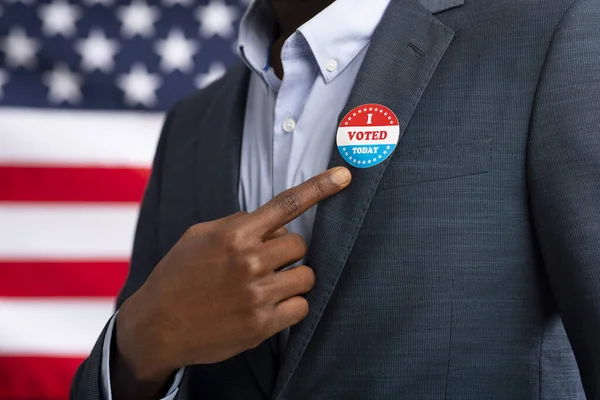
point(219, 292)
point(291, 14)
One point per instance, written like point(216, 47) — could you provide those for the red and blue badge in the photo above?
point(368, 135)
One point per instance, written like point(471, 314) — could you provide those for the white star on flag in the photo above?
point(63, 84)
point(176, 52)
point(215, 72)
point(138, 18)
point(139, 86)
point(58, 18)
point(97, 52)
point(20, 49)
point(217, 18)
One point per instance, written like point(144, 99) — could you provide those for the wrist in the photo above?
point(140, 344)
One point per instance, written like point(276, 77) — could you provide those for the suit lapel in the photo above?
point(218, 172)
point(219, 147)
point(404, 52)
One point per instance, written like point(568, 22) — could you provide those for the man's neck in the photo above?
point(291, 14)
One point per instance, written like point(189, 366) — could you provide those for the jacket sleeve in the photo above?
point(563, 167)
point(87, 384)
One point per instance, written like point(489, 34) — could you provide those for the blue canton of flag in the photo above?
point(111, 54)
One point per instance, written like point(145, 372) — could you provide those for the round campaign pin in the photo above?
point(368, 135)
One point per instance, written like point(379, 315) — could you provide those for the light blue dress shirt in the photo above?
point(290, 124)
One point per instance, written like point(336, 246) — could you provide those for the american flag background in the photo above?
point(83, 89)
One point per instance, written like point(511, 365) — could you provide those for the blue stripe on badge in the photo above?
point(366, 156)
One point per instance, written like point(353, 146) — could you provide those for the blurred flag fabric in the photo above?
point(83, 89)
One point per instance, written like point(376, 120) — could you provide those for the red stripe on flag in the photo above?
point(72, 184)
point(35, 378)
point(62, 279)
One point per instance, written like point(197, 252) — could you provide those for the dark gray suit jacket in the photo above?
point(466, 266)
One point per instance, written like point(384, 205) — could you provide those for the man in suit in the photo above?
point(464, 266)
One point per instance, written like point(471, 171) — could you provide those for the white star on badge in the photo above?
point(380, 111)
point(97, 52)
point(391, 122)
point(370, 108)
point(375, 159)
point(346, 123)
point(20, 50)
point(376, 109)
point(139, 86)
point(359, 111)
point(385, 114)
point(388, 147)
point(364, 162)
point(105, 3)
point(176, 52)
point(217, 18)
point(3, 81)
point(58, 18)
point(63, 85)
point(349, 118)
point(346, 154)
point(215, 72)
point(368, 162)
point(138, 18)
point(379, 156)
point(385, 152)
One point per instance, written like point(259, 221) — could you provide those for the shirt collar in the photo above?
point(341, 31)
point(335, 36)
point(257, 31)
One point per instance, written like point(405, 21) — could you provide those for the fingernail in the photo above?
point(341, 176)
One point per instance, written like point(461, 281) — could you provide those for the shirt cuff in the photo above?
point(105, 370)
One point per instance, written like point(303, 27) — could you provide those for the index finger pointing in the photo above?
point(292, 203)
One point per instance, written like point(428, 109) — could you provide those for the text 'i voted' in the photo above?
point(368, 135)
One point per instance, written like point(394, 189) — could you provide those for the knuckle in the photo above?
point(321, 186)
point(299, 243)
point(256, 298)
point(192, 232)
point(308, 276)
point(302, 308)
point(252, 264)
point(231, 239)
point(257, 325)
point(289, 202)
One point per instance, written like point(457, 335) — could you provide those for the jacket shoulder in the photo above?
point(197, 103)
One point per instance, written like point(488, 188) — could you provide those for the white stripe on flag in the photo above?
point(52, 326)
point(78, 137)
point(66, 231)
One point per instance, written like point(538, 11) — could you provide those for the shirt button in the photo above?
point(289, 125)
point(332, 65)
